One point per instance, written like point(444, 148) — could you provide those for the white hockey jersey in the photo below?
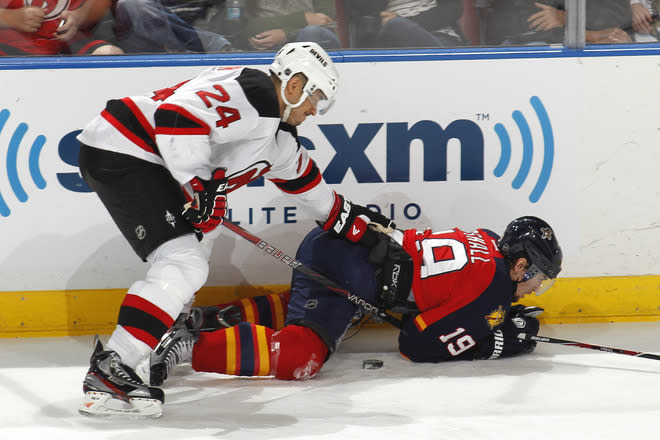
point(226, 117)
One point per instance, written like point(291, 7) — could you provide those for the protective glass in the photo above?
point(538, 279)
point(319, 101)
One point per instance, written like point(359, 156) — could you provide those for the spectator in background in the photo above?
point(152, 26)
point(645, 20)
point(421, 23)
point(405, 23)
point(273, 23)
point(514, 22)
point(148, 26)
point(52, 28)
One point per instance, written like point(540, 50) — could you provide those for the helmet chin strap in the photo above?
point(289, 106)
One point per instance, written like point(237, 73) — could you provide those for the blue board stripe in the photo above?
point(342, 56)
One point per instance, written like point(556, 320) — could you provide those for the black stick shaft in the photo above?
point(319, 278)
point(641, 354)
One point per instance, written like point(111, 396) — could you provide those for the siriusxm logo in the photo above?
point(349, 153)
point(350, 150)
point(528, 150)
point(13, 147)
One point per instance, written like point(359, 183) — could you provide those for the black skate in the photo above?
point(209, 318)
point(112, 388)
point(174, 348)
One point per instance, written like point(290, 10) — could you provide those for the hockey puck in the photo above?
point(371, 364)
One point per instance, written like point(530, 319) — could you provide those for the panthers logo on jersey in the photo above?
point(495, 318)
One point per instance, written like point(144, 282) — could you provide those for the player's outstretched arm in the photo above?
point(458, 337)
point(504, 342)
point(350, 221)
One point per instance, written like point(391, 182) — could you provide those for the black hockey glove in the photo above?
point(395, 270)
point(349, 220)
point(504, 342)
point(209, 205)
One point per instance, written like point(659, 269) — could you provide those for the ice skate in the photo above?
point(112, 388)
point(174, 348)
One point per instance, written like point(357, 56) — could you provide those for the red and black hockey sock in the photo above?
point(143, 319)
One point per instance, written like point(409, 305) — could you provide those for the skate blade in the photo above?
point(103, 404)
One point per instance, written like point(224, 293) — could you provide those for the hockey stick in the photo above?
point(370, 308)
point(314, 275)
point(526, 337)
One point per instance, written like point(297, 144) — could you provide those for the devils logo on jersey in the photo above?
point(52, 9)
point(243, 177)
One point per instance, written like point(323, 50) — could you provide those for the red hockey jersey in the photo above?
point(462, 288)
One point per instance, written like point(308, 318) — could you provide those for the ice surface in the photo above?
point(557, 392)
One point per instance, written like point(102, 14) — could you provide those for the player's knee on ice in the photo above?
point(296, 353)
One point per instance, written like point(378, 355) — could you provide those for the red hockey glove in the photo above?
point(349, 220)
point(209, 205)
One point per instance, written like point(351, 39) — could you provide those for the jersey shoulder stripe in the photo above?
point(126, 117)
point(173, 119)
point(260, 92)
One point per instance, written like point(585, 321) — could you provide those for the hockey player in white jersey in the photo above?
point(191, 145)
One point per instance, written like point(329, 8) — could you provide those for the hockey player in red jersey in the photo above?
point(192, 145)
point(454, 288)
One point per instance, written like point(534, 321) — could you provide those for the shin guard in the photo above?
point(296, 353)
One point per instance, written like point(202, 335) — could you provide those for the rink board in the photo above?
point(81, 312)
point(588, 150)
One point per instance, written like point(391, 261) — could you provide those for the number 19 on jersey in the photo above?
point(455, 344)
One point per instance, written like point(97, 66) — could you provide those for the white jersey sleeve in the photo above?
point(296, 173)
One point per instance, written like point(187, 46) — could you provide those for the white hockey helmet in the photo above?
point(312, 61)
